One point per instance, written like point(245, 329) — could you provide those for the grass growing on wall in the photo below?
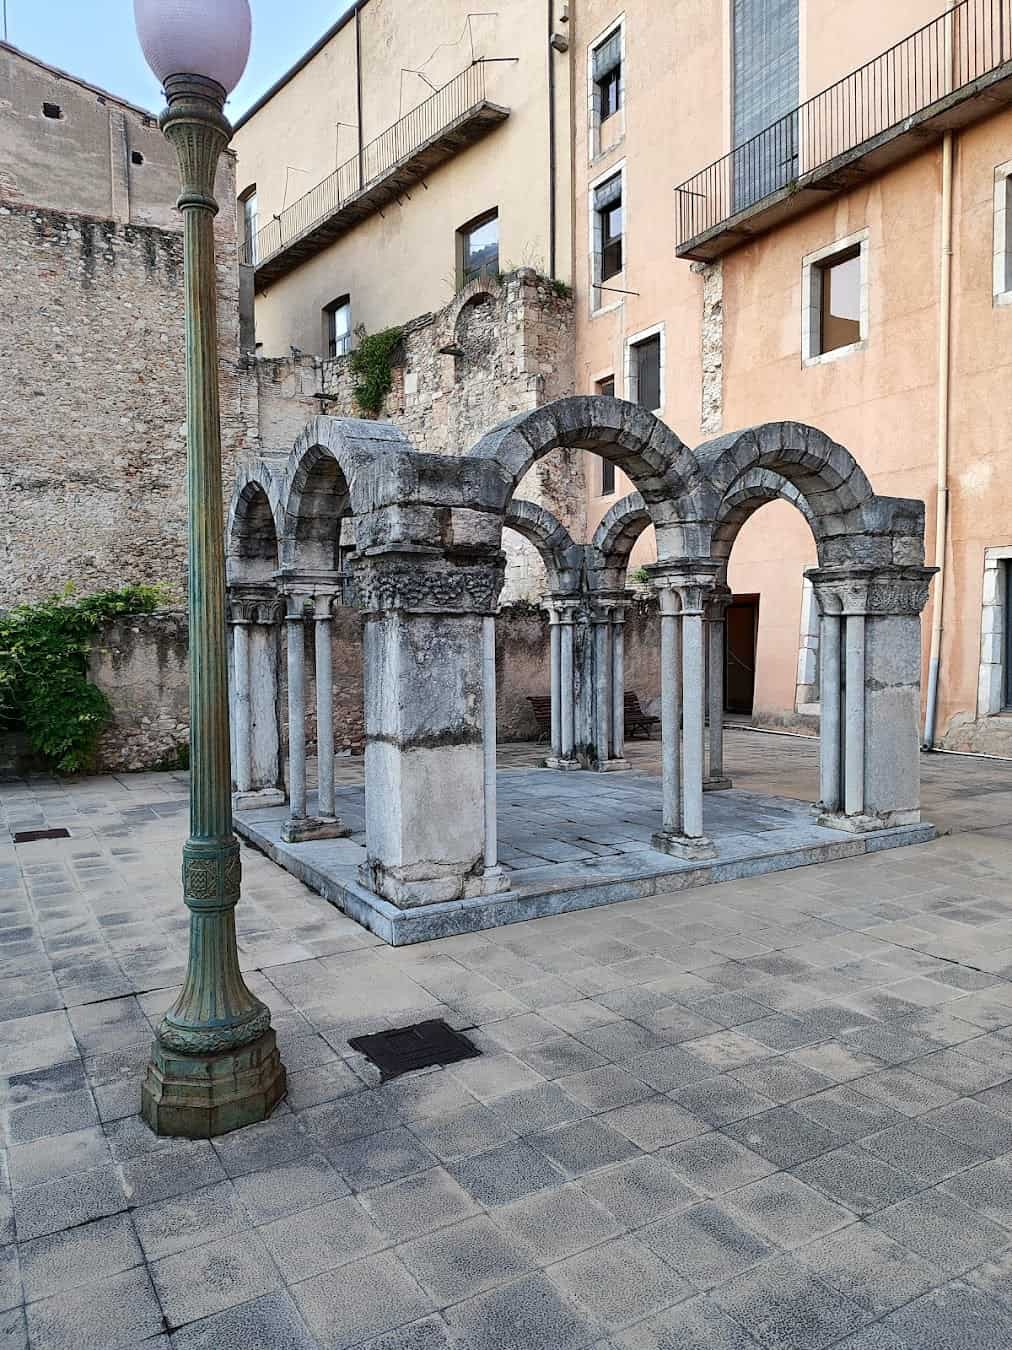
point(371, 364)
point(44, 683)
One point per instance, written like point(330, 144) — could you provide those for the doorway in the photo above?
point(741, 630)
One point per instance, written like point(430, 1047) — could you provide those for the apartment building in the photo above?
point(765, 209)
point(414, 148)
point(800, 209)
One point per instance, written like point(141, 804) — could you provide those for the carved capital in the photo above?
point(871, 590)
point(685, 583)
point(428, 584)
point(254, 604)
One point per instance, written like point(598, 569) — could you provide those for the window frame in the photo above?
point(814, 266)
point(616, 120)
point(1002, 284)
point(607, 486)
point(464, 233)
point(330, 338)
point(632, 380)
point(597, 303)
point(247, 237)
point(994, 677)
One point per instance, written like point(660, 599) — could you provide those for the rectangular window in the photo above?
point(835, 300)
point(840, 306)
point(645, 371)
point(606, 388)
point(607, 59)
point(478, 248)
point(1003, 234)
point(250, 226)
point(608, 210)
point(337, 319)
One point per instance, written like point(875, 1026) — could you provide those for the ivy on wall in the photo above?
point(371, 364)
point(44, 684)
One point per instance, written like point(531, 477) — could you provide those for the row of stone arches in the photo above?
point(424, 534)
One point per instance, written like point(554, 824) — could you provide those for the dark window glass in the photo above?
point(609, 94)
point(607, 478)
point(479, 248)
point(840, 300)
point(647, 370)
point(339, 327)
point(611, 239)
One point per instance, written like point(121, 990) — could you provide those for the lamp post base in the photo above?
point(200, 1096)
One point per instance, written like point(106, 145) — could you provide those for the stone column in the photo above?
point(300, 827)
point(716, 616)
point(323, 631)
point(618, 685)
point(555, 677)
point(601, 621)
point(565, 611)
point(871, 627)
point(684, 589)
point(489, 740)
point(255, 612)
point(428, 712)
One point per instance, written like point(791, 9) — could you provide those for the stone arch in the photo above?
point(666, 473)
point(253, 548)
point(825, 474)
point(322, 500)
point(751, 491)
point(562, 557)
point(480, 290)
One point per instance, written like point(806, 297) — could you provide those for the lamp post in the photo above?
point(215, 1064)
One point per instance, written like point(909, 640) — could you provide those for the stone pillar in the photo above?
point(716, 615)
point(601, 621)
point(684, 590)
point(605, 683)
point(872, 629)
point(428, 712)
point(489, 740)
point(255, 613)
point(618, 684)
point(555, 677)
point(565, 611)
point(324, 629)
point(300, 827)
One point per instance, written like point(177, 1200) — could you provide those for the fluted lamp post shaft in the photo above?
point(215, 1064)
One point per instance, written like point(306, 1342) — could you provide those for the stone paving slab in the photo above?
point(768, 1115)
point(556, 858)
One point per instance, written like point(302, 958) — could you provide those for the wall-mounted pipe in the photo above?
point(552, 152)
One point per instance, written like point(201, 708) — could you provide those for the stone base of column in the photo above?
point(866, 824)
point(201, 1096)
point(717, 784)
point(683, 846)
point(408, 891)
point(303, 829)
point(563, 765)
point(253, 801)
point(610, 765)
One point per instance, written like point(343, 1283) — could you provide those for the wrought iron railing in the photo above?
point(946, 55)
point(459, 96)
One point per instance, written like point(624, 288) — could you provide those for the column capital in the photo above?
point(429, 581)
point(249, 604)
point(687, 581)
point(871, 590)
point(568, 608)
point(717, 604)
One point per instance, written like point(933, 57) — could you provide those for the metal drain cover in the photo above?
point(418, 1047)
point(33, 836)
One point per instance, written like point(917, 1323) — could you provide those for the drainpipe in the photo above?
point(942, 484)
point(358, 91)
point(552, 173)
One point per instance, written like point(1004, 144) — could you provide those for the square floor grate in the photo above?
point(418, 1047)
point(33, 836)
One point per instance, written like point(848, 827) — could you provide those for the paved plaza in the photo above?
point(774, 1113)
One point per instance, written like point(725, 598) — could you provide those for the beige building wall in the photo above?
point(402, 262)
point(881, 401)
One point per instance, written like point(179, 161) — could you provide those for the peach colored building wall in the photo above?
point(881, 402)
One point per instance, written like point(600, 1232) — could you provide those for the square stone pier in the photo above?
point(571, 842)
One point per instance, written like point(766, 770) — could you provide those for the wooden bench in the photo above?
point(636, 720)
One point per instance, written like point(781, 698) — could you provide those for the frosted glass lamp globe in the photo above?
point(195, 37)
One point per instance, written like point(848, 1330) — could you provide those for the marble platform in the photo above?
point(570, 842)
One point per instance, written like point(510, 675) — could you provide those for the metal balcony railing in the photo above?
point(940, 62)
point(464, 93)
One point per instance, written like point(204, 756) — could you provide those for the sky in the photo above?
point(96, 41)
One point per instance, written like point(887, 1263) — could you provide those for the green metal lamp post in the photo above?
point(215, 1064)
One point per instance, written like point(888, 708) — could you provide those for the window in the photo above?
point(766, 62)
point(136, 157)
point(478, 248)
point(337, 321)
point(835, 300)
point(250, 225)
point(606, 387)
point(645, 365)
point(52, 111)
point(994, 679)
point(607, 72)
point(1007, 653)
point(1003, 234)
point(609, 227)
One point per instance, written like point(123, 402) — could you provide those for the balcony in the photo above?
point(450, 120)
point(953, 71)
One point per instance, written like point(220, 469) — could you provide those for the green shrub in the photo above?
point(44, 682)
point(371, 366)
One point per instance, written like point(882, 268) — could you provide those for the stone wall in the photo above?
point(140, 665)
